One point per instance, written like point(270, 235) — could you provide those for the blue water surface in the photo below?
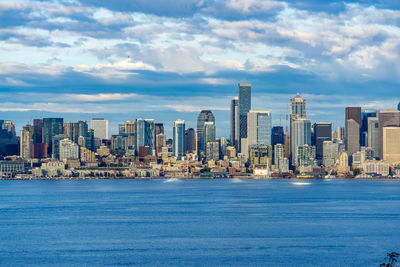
point(198, 222)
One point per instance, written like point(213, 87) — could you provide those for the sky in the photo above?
point(167, 60)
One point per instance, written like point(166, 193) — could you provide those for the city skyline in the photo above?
point(92, 59)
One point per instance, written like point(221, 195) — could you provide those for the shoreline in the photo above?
point(198, 178)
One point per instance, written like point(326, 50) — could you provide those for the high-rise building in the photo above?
point(159, 128)
point(330, 153)
point(278, 135)
point(259, 127)
point(212, 151)
point(68, 149)
point(305, 156)
point(297, 111)
point(69, 129)
point(391, 144)
point(364, 125)
point(279, 153)
point(301, 131)
point(352, 136)
point(179, 138)
point(145, 134)
point(353, 113)
point(26, 142)
point(373, 135)
point(204, 116)
point(322, 132)
point(56, 144)
point(51, 127)
point(385, 119)
point(209, 132)
point(160, 143)
point(100, 127)
point(80, 129)
point(39, 151)
point(190, 140)
point(398, 107)
point(8, 138)
point(118, 144)
point(38, 131)
point(244, 108)
point(234, 121)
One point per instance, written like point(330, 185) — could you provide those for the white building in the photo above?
point(259, 127)
point(100, 127)
point(376, 167)
point(68, 149)
point(330, 153)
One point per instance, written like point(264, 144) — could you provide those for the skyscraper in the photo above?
point(330, 153)
point(145, 134)
point(190, 140)
point(209, 132)
point(297, 111)
point(51, 127)
point(100, 127)
point(301, 135)
point(38, 130)
point(259, 127)
point(69, 129)
point(364, 125)
point(353, 122)
point(179, 138)
point(244, 108)
point(386, 118)
point(278, 135)
point(26, 142)
point(391, 144)
point(322, 132)
point(234, 121)
point(204, 116)
point(159, 128)
point(373, 135)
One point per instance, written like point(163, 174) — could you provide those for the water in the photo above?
point(198, 222)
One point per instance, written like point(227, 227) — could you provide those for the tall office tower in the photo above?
point(160, 143)
point(80, 129)
point(352, 137)
point(38, 130)
point(373, 135)
point(278, 135)
point(90, 140)
point(212, 151)
point(341, 133)
point(68, 149)
point(209, 132)
point(179, 138)
point(305, 156)
point(279, 154)
point(159, 128)
point(56, 144)
point(145, 134)
point(234, 121)
point(190, 140)
point(244, 108)
point(259, 127)
point(297, 111)
point(391, 144)
point(8, 139)
point(26, 142)
point(398, 107)
point(322, 132)
point(51, 127)
point(223, 144)
point(117, 144)
point(352, 113)
point(287, 146)
point(386, 118)
point(39, 151)
point(301, 130)
point(69, 129)
point(364, 125)
point(330, 153)
point(100, 127)
point(204, 116)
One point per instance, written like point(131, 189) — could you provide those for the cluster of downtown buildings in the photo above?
point(367, 146)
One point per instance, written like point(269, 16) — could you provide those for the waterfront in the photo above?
point(199, 222)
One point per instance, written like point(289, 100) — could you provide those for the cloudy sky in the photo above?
point(166, 60)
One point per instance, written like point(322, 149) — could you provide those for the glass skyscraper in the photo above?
point(259, 127)
point(301, 131)
point(179, 138)
point(244, 108)
point(204, 116)
point(234, 121)
point(145, 134)
point(51, 127)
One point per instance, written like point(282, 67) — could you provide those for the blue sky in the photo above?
point(169, 59)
